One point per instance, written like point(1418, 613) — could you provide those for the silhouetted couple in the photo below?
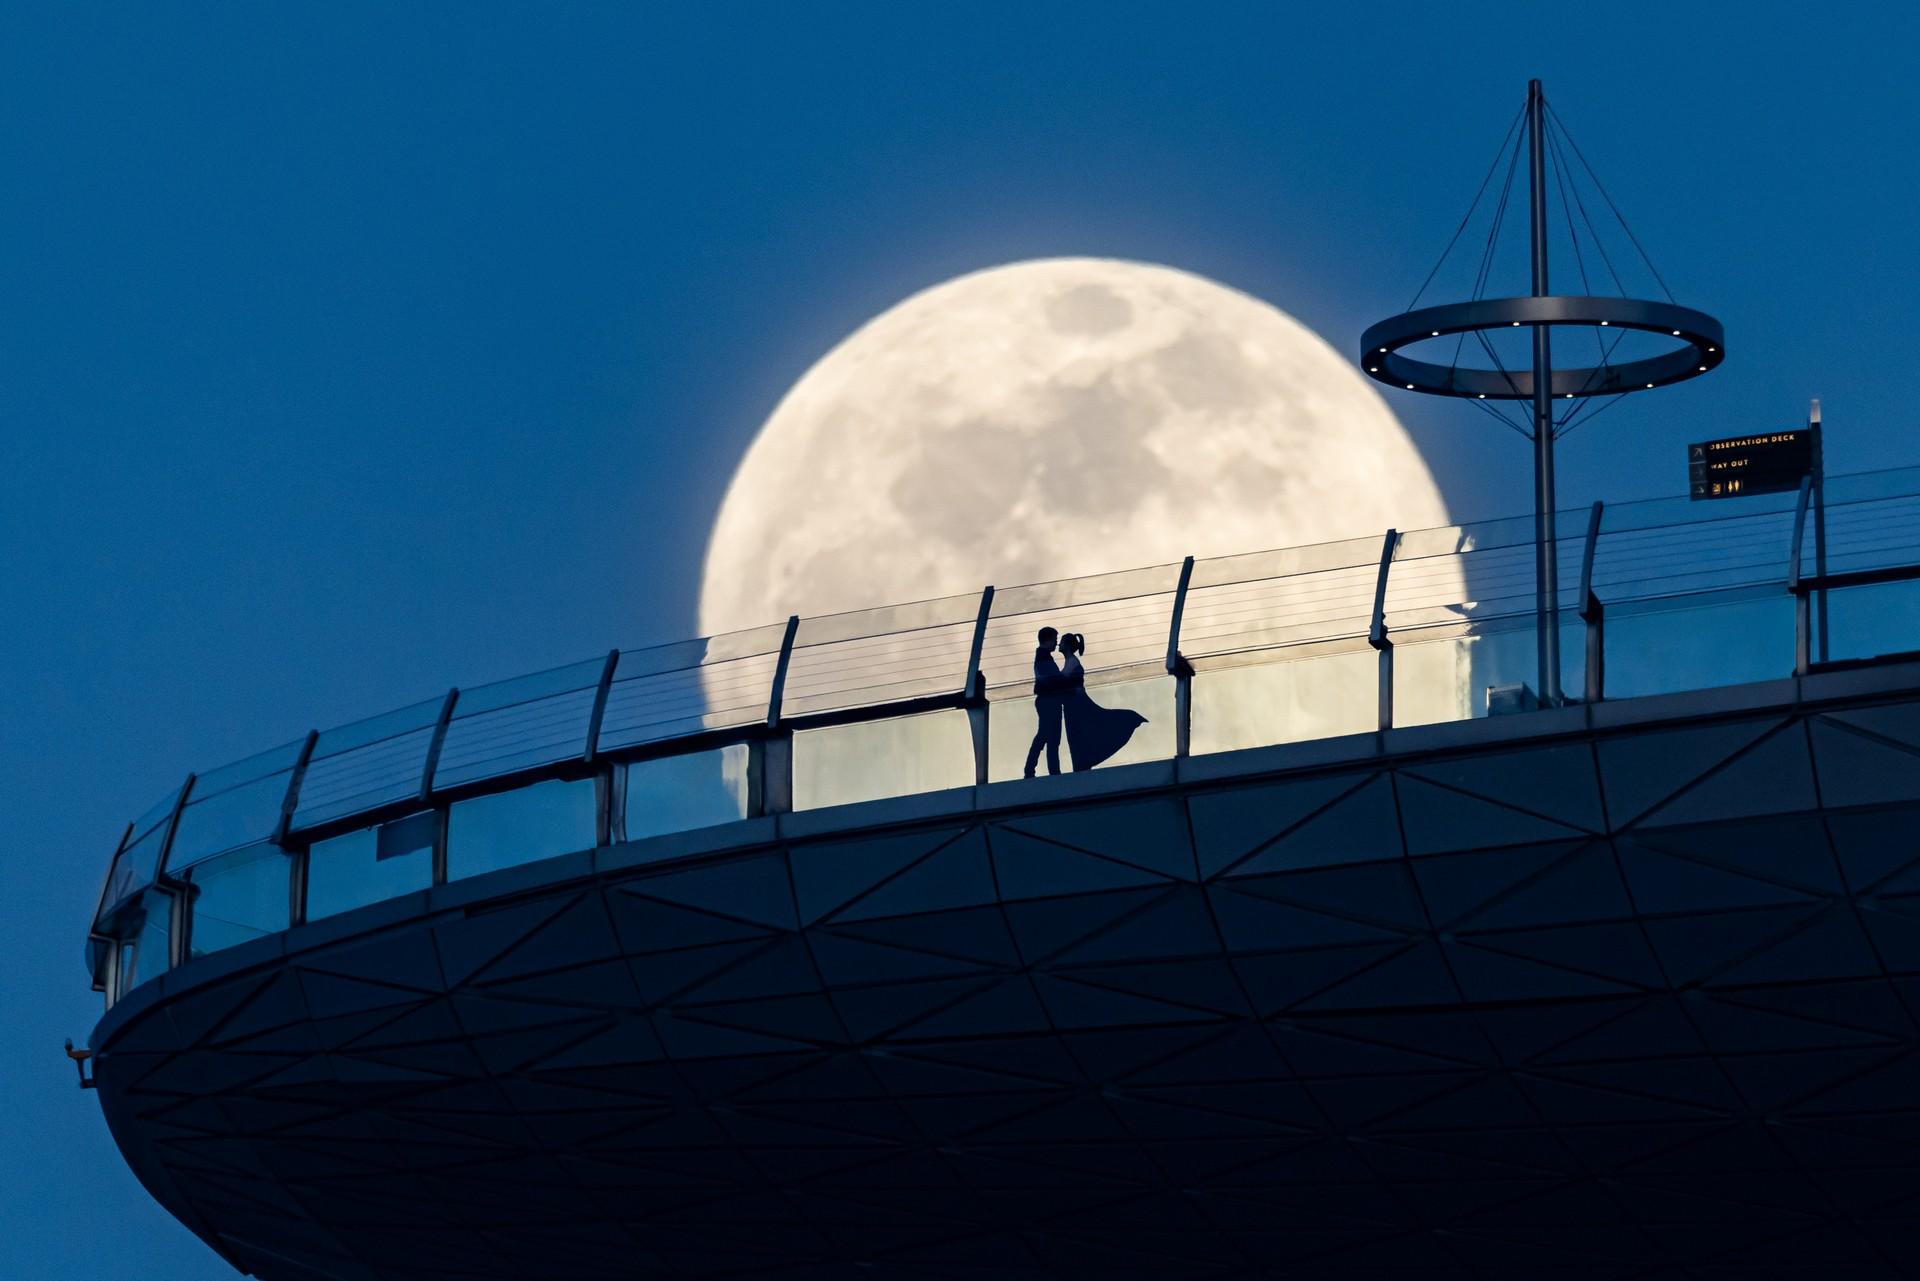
point(1094, 733)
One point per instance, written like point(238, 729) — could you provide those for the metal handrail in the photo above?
point(1301, 581)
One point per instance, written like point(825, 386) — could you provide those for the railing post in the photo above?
point(1802, 622)
point(436, 743)
point(1179, 668)
point(291, 801)
point(973, 688)
point(173, 826)
point(774, 767)
point(599, 711)
point(103, 973)
point(1377, 629)
point(1593, 613)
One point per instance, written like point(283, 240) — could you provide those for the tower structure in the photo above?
point(1555, 398)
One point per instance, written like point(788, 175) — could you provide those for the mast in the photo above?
point(1545, 564)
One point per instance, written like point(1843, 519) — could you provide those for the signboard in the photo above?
point(1770, 462)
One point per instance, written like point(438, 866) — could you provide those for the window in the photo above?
point(156, 929)
point(521, 826)
point(693, 789)
point(236, 897)
point(371, 864)
point(123, 971)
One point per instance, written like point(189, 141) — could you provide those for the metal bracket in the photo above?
point(80, 1058)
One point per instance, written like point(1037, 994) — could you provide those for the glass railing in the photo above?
point(1354, 637)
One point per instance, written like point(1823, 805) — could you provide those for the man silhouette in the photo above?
point(1049, 704)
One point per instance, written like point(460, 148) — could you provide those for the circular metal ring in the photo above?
point(1380, 346)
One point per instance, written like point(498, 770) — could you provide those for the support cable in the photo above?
point(1579, 258)
point(1611, 402)
point(1602, 189)
point(1499, 416)
point(1499, 219)
point(1593, 232)
point(1498, 152)
point(1485, 271)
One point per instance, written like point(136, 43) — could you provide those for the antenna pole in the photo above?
point(1819, 521)
point(1545, 565)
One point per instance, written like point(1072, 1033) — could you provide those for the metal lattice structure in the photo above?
point(1391, 987)
point(1619, 996)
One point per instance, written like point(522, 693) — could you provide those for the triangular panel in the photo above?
point(1438, 820)
point(1639, 771)
point(1231, 824)
point(1554, 781)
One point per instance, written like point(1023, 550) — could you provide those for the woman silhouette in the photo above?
point(1094, 733)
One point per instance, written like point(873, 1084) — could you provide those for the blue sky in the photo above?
point(350, 352)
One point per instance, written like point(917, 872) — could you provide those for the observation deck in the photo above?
point(755, 955)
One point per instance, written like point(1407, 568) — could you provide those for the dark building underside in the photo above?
point(1621, 992)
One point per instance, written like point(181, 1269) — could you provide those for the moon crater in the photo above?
point(1046, 420)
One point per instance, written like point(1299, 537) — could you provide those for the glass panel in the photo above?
point(1868, 622)
point(1286, 562)
point(1697, 646)
point(236, 897)
point(1702, 547)
point(222, 821)
point(1237, 617)
point(1481, 536)
point(279, 760)
point(140, 859)
point(521, 826)
point(719, 682)
point(693, 789)
point(1895, 482)
point(157, 815)
point(1478, 572)
point(1464, 675)
point(370, 865)
point(1681, 513)
point(133, 870)
point(1132, 720)
point(1286, 702)
point(899, 756)
point(1862, 535)
point(881, 655)
point(151, 957)
point(1434, 679)
point(372, 762)
point(1125, 618)
point(516, 724)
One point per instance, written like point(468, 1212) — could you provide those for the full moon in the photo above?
point(1046, 420)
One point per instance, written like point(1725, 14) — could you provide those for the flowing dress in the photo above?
point(1094, 733)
